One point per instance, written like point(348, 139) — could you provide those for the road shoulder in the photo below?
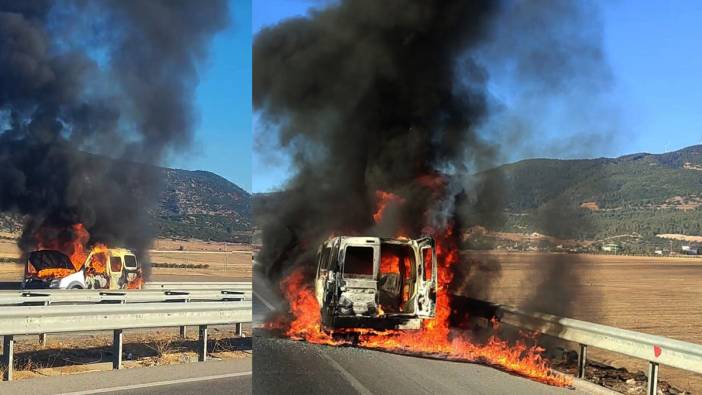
point(97, 382)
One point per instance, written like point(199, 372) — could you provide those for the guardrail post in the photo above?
point(238, 328)
point(582, 361)
point(652, 378)
point(184, 328)
point(117, 349)
point(202, 344)
point(8, 351)
point(42, 336)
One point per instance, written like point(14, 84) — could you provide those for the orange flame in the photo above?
point(306, 324)
point(138, 283)
point(383, 200)
point(434, 338)
point(72, 243)
point(98, 260)
point(54, 273)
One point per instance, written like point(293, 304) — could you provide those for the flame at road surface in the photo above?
point(433, 339)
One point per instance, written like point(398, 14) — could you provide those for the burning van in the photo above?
point(104, 268)
point(371, 282)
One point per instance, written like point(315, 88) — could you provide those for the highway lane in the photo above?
point(284, 366)
point(212, 378)
point(229, 384)
point(264, 300)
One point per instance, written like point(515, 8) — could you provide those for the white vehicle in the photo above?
point(376, 282)
point(113, 268)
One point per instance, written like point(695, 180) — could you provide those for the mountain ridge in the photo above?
point(195, 204)
point(641, 194)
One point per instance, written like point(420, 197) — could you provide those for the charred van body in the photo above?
point(372, 282)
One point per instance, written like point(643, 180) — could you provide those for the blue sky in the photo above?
point(223, 135)
point(653, 49)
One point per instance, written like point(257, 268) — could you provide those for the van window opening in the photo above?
point(359, 261)
point(427, 255)
point(116, 264)
point(130, 262)
point(325, 258)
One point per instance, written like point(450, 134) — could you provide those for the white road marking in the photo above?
point(157, 384)
point(357, 385)
point(268, 304)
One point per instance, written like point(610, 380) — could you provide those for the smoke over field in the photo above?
point(80, 80)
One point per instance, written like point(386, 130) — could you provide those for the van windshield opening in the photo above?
point(358, 262)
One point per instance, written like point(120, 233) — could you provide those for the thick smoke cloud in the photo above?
point(388, 95)
point(368, 96)
point(80, 78)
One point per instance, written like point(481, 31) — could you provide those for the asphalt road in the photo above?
point(197, 378)
point(283, 366)
point(288, 367)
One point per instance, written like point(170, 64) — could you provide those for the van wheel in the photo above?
point(74, 286)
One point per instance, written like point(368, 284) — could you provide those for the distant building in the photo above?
point(611, 247)
point(658, 252)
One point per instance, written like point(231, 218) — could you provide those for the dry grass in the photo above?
point(162, 345)
point(656, 295)
point(67, 354)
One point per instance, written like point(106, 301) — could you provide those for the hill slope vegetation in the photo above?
point(191, 204)
point(640, 194)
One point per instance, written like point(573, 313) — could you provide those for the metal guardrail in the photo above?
point(177, 285)
point(28, 320)
point(88, 296)
point(657, 350)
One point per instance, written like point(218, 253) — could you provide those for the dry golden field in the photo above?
point(656, 295)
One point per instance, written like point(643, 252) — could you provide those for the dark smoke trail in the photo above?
point(394, 96)
point(367, 96)
point(83, 83)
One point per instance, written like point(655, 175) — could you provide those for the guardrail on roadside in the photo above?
point(91, 296)
point(30, 320)
point(657, 350)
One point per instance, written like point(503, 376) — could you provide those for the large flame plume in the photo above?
point(434, 339)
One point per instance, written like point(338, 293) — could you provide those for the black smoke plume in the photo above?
point(393, 96)
point(89, 93)
point(368, 96)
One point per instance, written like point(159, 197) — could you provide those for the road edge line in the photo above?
point(157, 384)
point(268, 304)
point(357, 385)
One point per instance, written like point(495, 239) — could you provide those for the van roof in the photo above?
point(120, 251)
point(367, 239)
